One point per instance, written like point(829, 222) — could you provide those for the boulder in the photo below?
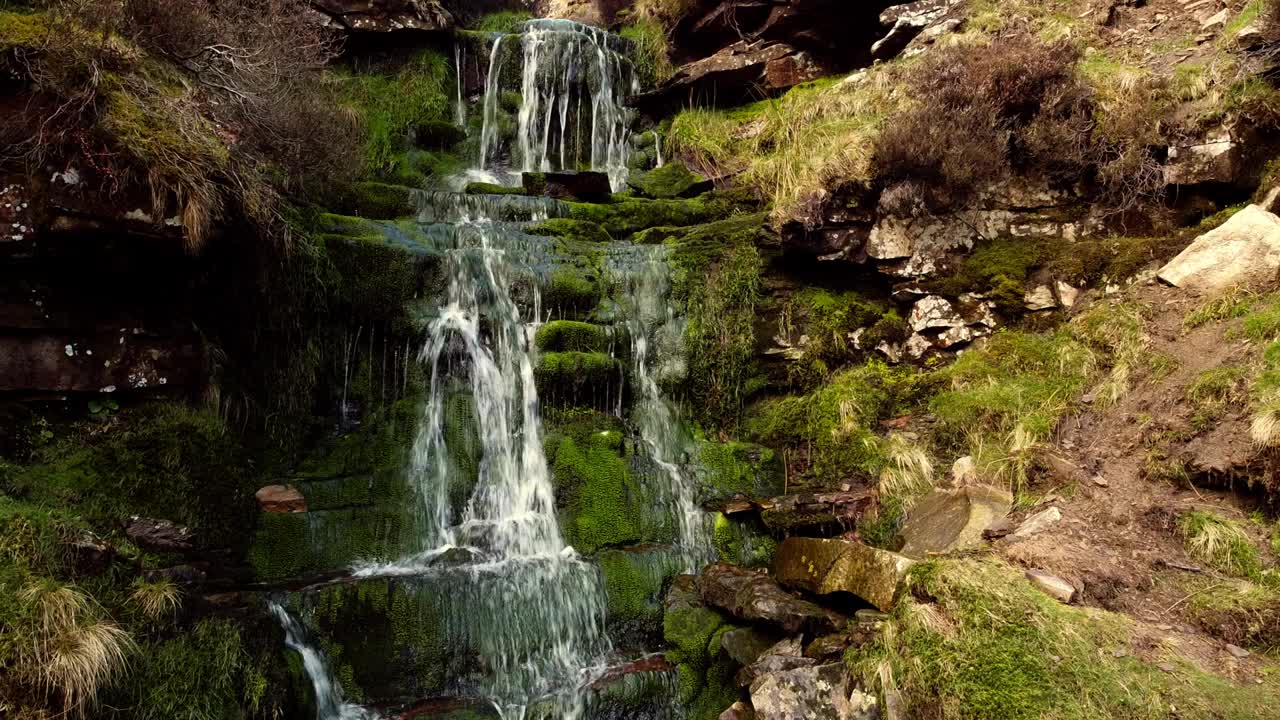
point(1037, 523)
point(668, 182)
point(1040, 298)
point(1243, 250)
point(819, 691)
point(738, 711)
point(830, 566)
point(828, 646)
point(907, 22)
point(588, 186)
point(281, 499)
point(755, 597)
point(950, 520)
point(815, 511)
point(160, 535)
point(380, 16)
point(746, 645)
point(1214, 158)
point(964, 471)
point(1052, 585)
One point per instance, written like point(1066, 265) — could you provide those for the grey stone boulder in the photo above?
point(746, 645)
point(1036, 524)
point(950, 520)
point(380, 16)
point(832, 566)
point(1243, 250)
point(756, 597)
point(1052, 585)
point(818, 692)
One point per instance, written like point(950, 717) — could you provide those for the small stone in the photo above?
point(1165, 667)
point(868, 615)
point(281, 499)
point(738, 711)
point(1237, 651)
point(1040, 298)
point(1216, 20)
point(1100, 481)
point(1037, 523)
point(964, 471)
point(998, 529)
point(1119, 652)
point(1053, 586)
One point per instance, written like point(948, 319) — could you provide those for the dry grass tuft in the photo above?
point(908, 469)
point(156, 599)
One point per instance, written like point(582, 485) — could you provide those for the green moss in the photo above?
point(624, 218)
point(652, 54)
point(571, 336)
point(602, 503)
point(578, 378)
point(976, 641)
point(570, 293)
point(577, 230)
point(164, 460)
point(379, 201)
point(738, 469)
point(829, 318)
point(376, 276)
point(508, 21)
point(393, 101)
point(688, 630)
point(1097, 260)
point(1000, 265)
point(668, 182)
point(635, 579)
point(22, 30)
point(205, 674)
point(837, 423)
point(482, 188)
point(746, 542)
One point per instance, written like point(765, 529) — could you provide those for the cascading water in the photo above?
point(329, 701)
point(656, 335)
point(574, 79)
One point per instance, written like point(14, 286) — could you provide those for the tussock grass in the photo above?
point(908, 470)
point(156, 599)
point(1220, 542)
point(68, 651)
point(973, 640)
point(1234, 303)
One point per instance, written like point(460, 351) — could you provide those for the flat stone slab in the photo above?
point(950, 520)
point(830, 566)
point(1243, 250)
point(1052, 585)
point(756, 597)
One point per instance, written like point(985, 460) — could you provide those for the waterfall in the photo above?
point(574, 79)
point(512, 590)
point(657, 143)
point(329, 704)
point(645, 290)
point(460, 109)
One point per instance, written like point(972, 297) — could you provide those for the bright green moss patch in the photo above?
point(508, 21)
point(837, 422)
point(482, 188)
point(22, 30)
point(651, 54)
point(571, 336)
point(635, 579)
point(737, 469)
point(743, 542)
point(828, 318)
point(393, 101)
point(975, 641)
point(668, 182)
point(577, 230)
point(570, 293)
point(578, 378)
point(623, 218)
point(602, 503)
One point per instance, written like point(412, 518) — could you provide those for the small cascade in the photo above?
point(574, 79)
point(329, 703)
point(460, 107)
point(656, 341)
point(657, 143)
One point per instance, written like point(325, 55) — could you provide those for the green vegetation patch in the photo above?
point(668, 182)
point(623, 218)
point(737, 469)
point(578, 378)
point(576, 230)
point(975, 641)
point(1220, 542)
point(571, 336)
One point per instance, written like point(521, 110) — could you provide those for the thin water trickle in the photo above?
point(644, 282)
point(460, 108)
point(329, 700)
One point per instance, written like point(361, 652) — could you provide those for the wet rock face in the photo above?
point(950, 520)
point(379, 16)
point(820, 692)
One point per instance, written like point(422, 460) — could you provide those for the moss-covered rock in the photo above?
point(623, 218)
point(580, 230)
point(705, 672)
point(736, 469)
point(668, 182)
point(590, 379)
point(635, 579)
point(744, 542)
point(379, 201)
point(570, 293)
point(600, 500)
point(571, 336)
point(484, 188)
